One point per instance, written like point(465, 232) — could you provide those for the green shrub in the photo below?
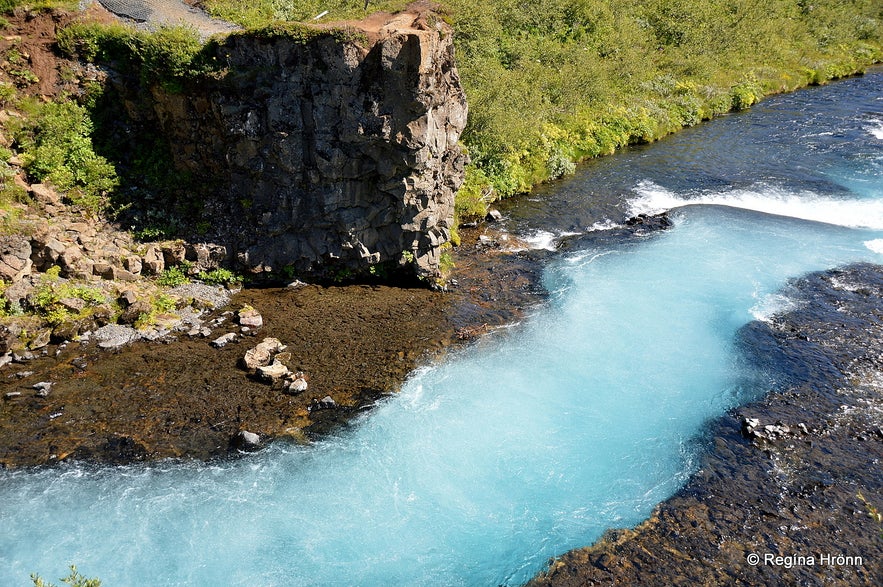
point(172, 277)
point(57, 148)
point(219, 276)
point(169, 55)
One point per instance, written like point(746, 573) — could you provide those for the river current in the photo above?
point(539, 437)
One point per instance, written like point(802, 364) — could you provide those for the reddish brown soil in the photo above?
point(32, 35)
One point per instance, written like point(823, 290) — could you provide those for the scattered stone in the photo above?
point(650, 222)
point(40, 340)
point(15, 257)
point(173, 253)
point(43, 388)
point(163, 323)
point(273, 372)
point(245, 440)
point(70, 258)
point(200, 331)
point(326, 403)
point(153, 261)
point(127, 298)
point(205, 256)
point(103, 269)
point(23, 356)
point(12, 394)
point(493, 215)
point(203, 295)
point(749, 425)
point(23, 374)
point(222, 340)
point(48, 254)
point(131, 314)
point(114, 336)
point(133, 264)
point(44, 194)
point(296, 284)
point(120, 274)
point(73, 304)
point(752, 428)
point(5, 360)
point(73, 329)
point(263, 353)
point(298, 385)
point(250, 318)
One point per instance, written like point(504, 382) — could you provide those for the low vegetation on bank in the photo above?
point(552, 82)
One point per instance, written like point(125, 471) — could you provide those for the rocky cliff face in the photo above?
point(327, 150)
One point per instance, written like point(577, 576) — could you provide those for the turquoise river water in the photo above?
point(542, 435)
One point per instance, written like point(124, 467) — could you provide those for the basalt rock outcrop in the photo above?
point(326, 149)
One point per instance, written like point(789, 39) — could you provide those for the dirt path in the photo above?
point(151, 14)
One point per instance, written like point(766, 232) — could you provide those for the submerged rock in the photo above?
point(42, 388)
point(297, 385)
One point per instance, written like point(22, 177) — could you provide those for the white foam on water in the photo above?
point(853, 213)
point(876, 129)
point(605, 224)
point(771, 305)
point(537, 240)
point(875, 245)
point(541, 239)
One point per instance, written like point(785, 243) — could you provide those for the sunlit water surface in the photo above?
point(539, 437)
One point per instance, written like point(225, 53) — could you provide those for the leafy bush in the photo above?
point(169, 55)
point(173, 276)
point(219, 276)
point(56, 146)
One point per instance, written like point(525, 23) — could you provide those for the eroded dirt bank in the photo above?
point(780, 495)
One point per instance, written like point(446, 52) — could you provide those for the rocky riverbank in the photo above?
point(186, 395)
point(787, 487)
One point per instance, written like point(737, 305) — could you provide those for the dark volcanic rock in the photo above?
point(328, 147)
point(787, 476)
